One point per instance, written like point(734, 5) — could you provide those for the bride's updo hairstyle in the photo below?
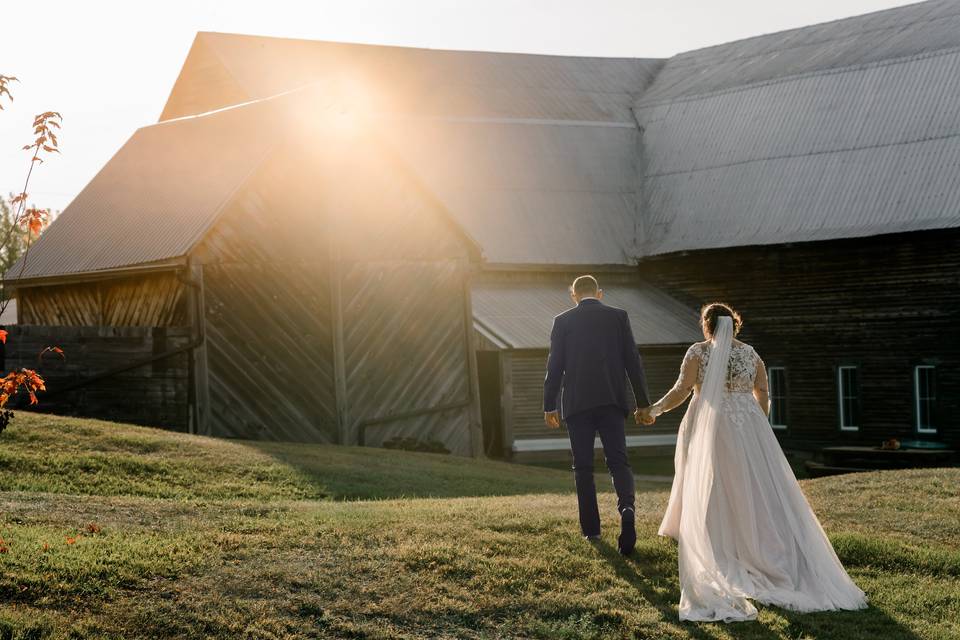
point(711, 313)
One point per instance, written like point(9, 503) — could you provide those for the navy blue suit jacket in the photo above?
point(592, 354)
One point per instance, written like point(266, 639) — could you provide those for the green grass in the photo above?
point(90, 457)
point(199, 538)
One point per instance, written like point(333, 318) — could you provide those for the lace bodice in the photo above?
point(741, 369)
point(746, 374)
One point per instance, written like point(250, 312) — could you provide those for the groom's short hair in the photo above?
point(585, 286)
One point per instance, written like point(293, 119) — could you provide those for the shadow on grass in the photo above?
point(661, 591)
point(371, 473)
point(658, 589)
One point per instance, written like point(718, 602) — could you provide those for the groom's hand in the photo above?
point(552, 418)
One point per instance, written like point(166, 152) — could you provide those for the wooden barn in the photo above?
point(320, 307)
point(352, 243)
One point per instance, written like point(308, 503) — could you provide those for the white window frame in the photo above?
point(841, 397)
point(770, 387)
point(916, 398)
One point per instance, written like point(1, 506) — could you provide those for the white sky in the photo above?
point(108, 65)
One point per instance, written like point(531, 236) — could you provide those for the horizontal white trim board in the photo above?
point(560, 444)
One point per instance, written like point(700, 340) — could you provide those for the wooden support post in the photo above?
point(345, 429)
point(201, 371)
point(473, 412)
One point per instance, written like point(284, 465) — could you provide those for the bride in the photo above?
point(743, 525)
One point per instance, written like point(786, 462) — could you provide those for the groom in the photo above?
point(592, 353)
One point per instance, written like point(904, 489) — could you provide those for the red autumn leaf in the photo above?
point(56, 350)
point(35, 219)
point(27, 378)
point(70, 540)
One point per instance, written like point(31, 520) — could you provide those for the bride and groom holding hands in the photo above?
point(743, 526)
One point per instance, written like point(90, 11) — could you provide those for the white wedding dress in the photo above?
point(744, 528)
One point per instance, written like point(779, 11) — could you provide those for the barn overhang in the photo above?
point(519, 315)
point(13, 283)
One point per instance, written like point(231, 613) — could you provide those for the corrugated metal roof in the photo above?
point(865, 149)
point(874, 37)
point(520, 315)
point(405, 80)
point(157, 195)
point(547, 193)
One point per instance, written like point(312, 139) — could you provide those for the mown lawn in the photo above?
point(179, 537)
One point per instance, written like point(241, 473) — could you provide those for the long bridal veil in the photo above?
point(705, 588)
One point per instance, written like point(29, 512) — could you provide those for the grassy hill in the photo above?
point(111, 531)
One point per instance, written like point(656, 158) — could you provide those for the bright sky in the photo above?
point(108, 65)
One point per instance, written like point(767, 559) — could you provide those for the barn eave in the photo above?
point(172, 264)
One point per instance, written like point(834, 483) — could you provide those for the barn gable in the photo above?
point(204, 84)
point(331, 283)
point(524, 151)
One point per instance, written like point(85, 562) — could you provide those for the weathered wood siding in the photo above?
point(149, 300)
point(335, 311)
point(267, 363)
point(406, 352)
point(404, 310)
point(527, 370)
point(885, 304)
point(269, 353)
point(153, 394)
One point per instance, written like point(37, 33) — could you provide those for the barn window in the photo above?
point(849, 396)
point(924, 388)
point(777, 379)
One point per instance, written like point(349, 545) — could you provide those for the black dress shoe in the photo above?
point(627, 539)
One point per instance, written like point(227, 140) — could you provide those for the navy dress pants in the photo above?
point(608, 421)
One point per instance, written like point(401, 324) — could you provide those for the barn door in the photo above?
point(269, 352)
point(406, 352)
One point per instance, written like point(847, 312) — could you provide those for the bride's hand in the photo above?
point(643, 416)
